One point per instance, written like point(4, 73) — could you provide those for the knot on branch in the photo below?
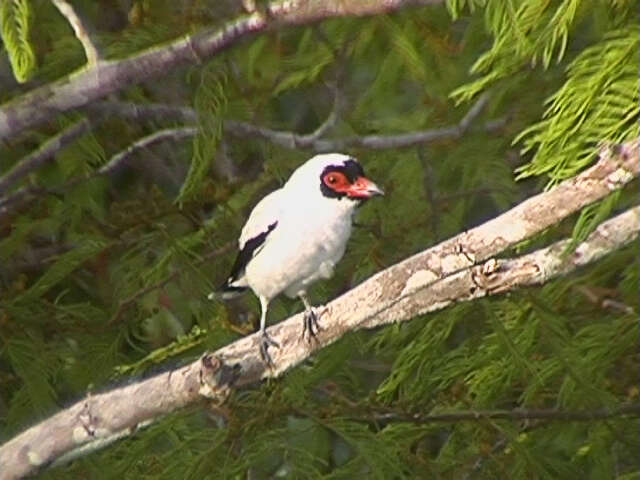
point(617, 163)
point(498, 276)
point(216, 378)
point(88, 423)
point(461, 249)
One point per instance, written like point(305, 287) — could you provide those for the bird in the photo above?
point(296, 235)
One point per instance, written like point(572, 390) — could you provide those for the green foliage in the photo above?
point(210, 103)
point(590, 218)
point(527, 32)
point(15, 26)
point(29, 354)
point(66, 263)
point(182, 343)
point(132, 40)
point(599, 103)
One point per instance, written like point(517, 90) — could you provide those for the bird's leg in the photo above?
point(310, 317)
point(265, 340)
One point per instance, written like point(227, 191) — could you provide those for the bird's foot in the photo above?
point(265, 342)
point(311, 327)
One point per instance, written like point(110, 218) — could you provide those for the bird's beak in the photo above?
point(363, 188)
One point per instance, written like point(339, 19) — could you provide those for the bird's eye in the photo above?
point(335, 180)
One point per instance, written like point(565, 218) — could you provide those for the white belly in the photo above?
point(297, 255)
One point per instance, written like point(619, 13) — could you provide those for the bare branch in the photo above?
point(49, 148)
point(601, 299)
point(167, 134)
point(105, 417)
point(615, 168)
point(26, 194)
point(158, 112)
point(473, 112)
point(146, 111)
point(89, 84)
point(42, 155)
point(429, 281)
point(313, 141)
point(90, 50)
point(632, 410)
point(333, 117)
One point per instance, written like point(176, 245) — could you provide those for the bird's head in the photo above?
point(336, 176)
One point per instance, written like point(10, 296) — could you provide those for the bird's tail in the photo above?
point(226, 291)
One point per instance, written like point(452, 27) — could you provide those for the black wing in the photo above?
point(249, 250)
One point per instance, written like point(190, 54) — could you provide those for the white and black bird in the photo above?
point(296, 235)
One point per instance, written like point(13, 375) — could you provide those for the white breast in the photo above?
point(305, 246)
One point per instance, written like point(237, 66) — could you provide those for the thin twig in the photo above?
point(473, 112)
point(601, 299)
point(120, 158)
point(430, 181)
point(90, 50)
point(169, 278)
point(26, 194)
point(312, 142)
point(516, 414)
point(331, 119)
point(43, 154)
point(101, 112)
point(143, 111)
point(291, 140)
point(482, 458)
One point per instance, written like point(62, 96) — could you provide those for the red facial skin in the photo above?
point(361, 188)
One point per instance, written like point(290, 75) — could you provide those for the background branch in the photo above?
point(552, 414)
point(143, 111)
point(26, 194)
point(90, 50)
point(312, 141)
point(120, 158)
point(42, 155)
point(405, 290)
point(103, 78)
point(158, 112)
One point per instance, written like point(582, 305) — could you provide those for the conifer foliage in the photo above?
point(119, 213)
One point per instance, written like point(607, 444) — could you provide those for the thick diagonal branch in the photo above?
point(434, 279)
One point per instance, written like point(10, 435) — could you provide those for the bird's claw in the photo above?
point(310, 324)
point(265, 342)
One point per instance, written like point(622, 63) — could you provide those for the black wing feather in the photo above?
point(249, 250)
